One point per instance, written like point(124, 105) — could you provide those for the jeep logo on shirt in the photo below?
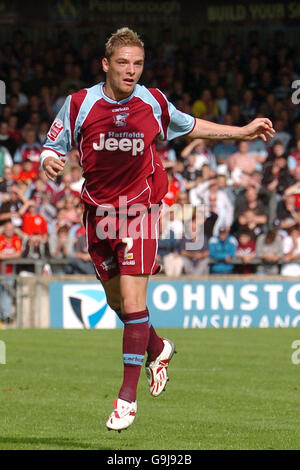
point(125, 144)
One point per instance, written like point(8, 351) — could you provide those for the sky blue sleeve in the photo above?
point(180, 123)
point(59, 136)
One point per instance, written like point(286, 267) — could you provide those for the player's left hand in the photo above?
point(258, 128)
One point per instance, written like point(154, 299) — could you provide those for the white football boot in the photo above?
point(122, 416)
point(156, 371)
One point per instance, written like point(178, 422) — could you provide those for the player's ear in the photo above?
point(105, 64)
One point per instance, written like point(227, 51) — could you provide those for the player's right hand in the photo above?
point(52, 166)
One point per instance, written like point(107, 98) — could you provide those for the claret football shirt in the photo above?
point(116, 142)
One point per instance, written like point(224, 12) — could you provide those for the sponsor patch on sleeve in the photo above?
point(55, 129)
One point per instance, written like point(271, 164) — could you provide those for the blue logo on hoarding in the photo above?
point(79, 305)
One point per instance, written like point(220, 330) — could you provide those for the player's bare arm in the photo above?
point(258, 128)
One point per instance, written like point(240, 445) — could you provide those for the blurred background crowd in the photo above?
point(244, 198)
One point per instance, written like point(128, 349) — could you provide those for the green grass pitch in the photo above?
point(228, 389)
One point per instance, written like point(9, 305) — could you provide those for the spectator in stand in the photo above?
point(201, 106)
point(223, 184)
point(77, 178)
point(276, 180)
point(73, 159)
point(178, 173)
point(42, 132)
point(168, 253)
point(16, 89)
point(250, 221)
point(172, 221)
point(194, 249)
point(70, 204)
point(250, 200)
point(245, 252)
point(212, 112)
point(221, 100)
point(29, 173)
point(37, 190)
point(65, 189)
point(209, 190)
point(269, 249)
point(295, 135)
point(236, 116)
point(283, 91)
point(287, 213)
point(294, 189)
point(34, 223)
point(36, 248)
point(222, 249)
point(5, 139)
point(281, 134)
point(59, 221)
point(277, 150)
point(47, 209)
point(13, 103)
point(16, 172)
point(224, 148)
point(235, 91)
point(7, 181)
point(13, 207)
point(248, 106)
point(182, 209)
point(191, 175)
point(61, 247)
point(10, 248)
point(174, 186)
point(258, 148)
point(81, 261)
point(242, 165)
point(291, 250)
point(204, 156)
point(294, 158)
point(267, 107)
point(211, 217)
point(164, 150)
point(5, 160)
point(30, 149)
point(13, 130)
point(50, 186)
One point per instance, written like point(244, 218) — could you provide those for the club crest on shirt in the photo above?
point(55, 129)
point(120, 119)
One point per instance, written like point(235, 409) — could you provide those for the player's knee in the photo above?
point(133, 304)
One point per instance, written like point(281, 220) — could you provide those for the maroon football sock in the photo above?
point(135, 340)
point(155, 344)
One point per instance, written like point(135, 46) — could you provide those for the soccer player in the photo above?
point(114, 126)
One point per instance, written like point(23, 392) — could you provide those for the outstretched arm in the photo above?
point(259, 127)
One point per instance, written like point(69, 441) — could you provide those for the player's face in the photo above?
point(123, 70)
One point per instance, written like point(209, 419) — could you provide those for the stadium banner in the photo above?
point(170, 14)
point(183, 304)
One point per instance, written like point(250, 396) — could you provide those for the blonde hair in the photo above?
point(122, 37)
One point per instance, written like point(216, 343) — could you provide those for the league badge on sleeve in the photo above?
point(55, 129)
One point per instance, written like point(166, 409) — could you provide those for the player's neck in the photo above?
point(113, 94)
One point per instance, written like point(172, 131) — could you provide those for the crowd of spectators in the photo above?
point(247, 193)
